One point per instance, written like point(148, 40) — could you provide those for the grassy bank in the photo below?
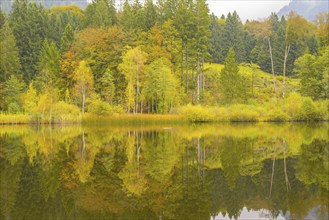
point(88, 118)
point(293, 108)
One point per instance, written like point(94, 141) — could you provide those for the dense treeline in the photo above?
point(152, 58)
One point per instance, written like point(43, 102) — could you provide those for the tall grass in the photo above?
point(14, 118)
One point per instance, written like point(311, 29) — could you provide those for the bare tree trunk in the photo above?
point(286, 52)
point(182, 83)
point(83, 101)
point(202, 79)
point(186, 60)
point(198, 88)
point(192, 86)
point(51, 111)
point(137, 88)
point(272, 64)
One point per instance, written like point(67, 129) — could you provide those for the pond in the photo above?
point(208, 171)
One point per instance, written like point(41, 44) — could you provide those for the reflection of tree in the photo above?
point(85, 158)
point(312, 166)
point(231, 155)
point(9, 186)
point(133, 175)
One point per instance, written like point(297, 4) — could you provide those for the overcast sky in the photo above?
point(246, 9)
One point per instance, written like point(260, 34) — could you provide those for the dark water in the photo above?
point(245, 171)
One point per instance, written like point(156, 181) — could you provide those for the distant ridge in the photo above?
point(306, 8)
point(6, 5)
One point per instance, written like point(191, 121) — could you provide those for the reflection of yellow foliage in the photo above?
point(84, 162)
point(132, 174)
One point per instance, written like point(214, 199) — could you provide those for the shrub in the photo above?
point(66, 113)
point(308, 111)
point(277, 115)
point(13, 108)
point(322, 108)
point(243, 113)
point(99, 107)
point(197, 113)
point(292, 104)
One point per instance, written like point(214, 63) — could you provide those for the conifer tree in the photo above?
point(9, 56)
point(231, 84)
point(67, 38)
point(48, 67)
point(233, 37)
point(28, 23)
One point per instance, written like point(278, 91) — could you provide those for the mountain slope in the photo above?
point(306, 8)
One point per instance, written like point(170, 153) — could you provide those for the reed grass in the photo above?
point(15, 118)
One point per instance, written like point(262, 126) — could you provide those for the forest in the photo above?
point(169, 60)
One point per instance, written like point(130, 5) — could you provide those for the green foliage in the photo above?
point(100, 13)
point(161, 86)
point(13, 89)
point(323, 109)
point(307, 111)
point(277, 115)
point(312, 70)
point(107, 85)
point(48, 67)
point(14, 108)
point(28, 23)
point(292, 104)
point(233, 37)
point(99, 107)
point(67, 38)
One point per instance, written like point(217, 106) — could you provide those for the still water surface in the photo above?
point(244, 171)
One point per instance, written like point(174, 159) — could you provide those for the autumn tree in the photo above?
point(297, 28)
point(132, 67)
point(84, 84)
point(161, 87)
point(30, 100)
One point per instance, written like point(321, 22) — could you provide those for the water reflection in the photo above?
point(181, 172)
